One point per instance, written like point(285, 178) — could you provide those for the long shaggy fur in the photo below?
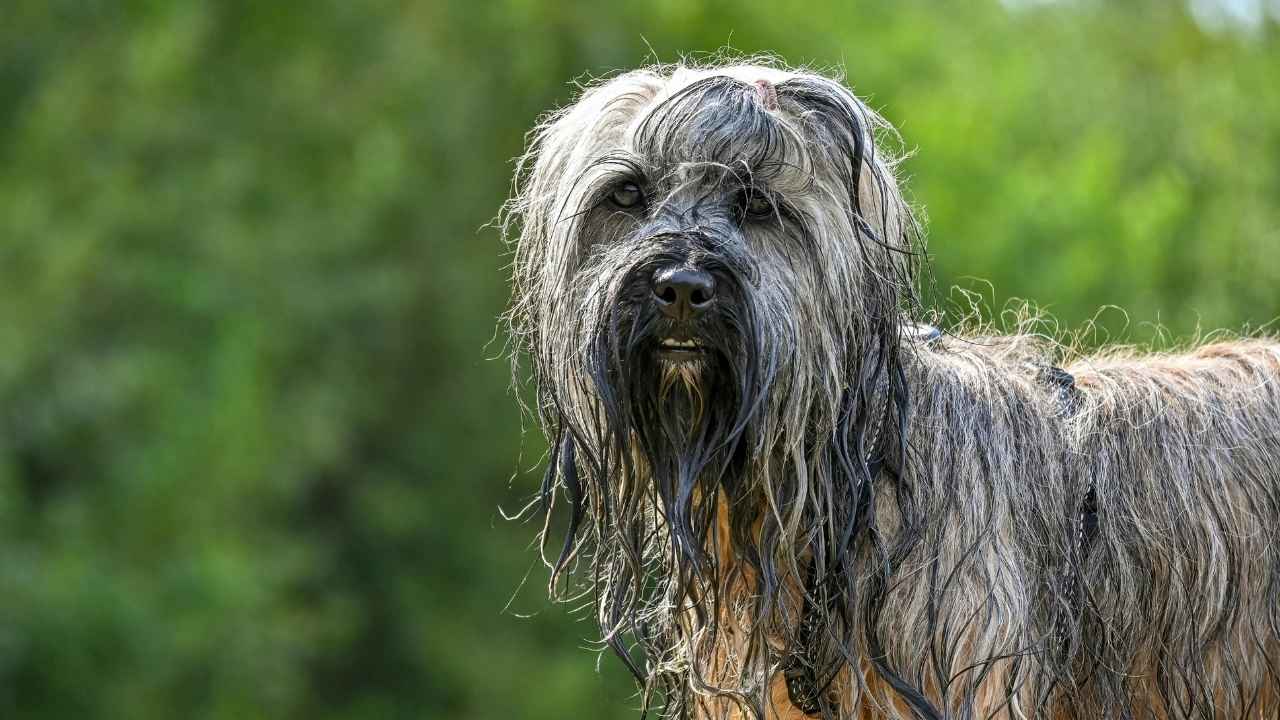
point(920, 529)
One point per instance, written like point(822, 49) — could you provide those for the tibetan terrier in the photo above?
point(783, 497)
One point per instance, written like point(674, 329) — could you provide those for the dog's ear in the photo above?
point(857, 145)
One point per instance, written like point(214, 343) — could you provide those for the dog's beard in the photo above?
point(670, 447)
point(681, 418)
point(648, 444)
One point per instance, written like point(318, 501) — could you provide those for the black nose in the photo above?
point(683, 293)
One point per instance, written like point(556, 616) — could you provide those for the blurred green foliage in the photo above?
point(252, 438)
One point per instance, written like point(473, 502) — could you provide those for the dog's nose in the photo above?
point(683, 293)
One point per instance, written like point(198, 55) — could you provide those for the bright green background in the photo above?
point(252, 437)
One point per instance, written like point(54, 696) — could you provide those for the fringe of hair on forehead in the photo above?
point(825, 516)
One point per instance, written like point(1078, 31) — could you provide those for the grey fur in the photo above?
point(927, 498)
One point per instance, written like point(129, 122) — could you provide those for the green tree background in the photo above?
point(253, 440)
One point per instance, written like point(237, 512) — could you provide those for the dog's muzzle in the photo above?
point(683, 293)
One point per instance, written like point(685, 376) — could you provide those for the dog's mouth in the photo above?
point(680, 349)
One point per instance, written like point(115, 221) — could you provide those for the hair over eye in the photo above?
point(626, 194)
point(756, 204)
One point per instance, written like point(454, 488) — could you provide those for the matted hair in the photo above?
point(952, 528)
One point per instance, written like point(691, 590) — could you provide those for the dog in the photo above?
point(785, 497)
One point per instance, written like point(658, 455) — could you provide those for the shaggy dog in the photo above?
point(784, 499)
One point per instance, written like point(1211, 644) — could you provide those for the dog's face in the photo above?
point(708, 276)
point(706, 251)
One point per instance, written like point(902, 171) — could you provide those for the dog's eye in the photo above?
point(626, 195)
point(757, 205)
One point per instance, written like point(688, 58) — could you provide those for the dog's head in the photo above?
point(710, 268)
